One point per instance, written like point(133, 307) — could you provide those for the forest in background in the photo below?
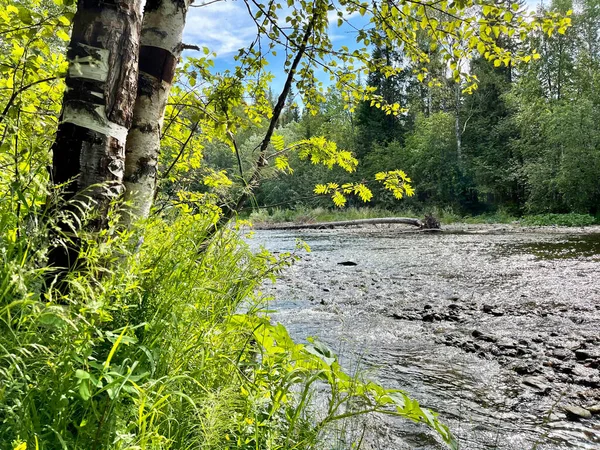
point(525, 142)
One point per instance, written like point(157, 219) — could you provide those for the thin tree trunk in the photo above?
point(161, 46)
point(457, 127)
point(89, 150)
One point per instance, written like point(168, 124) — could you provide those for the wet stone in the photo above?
point(582, 354)
point(522, 351)
point(561, 354)
point(577, 412)
point(593, 382)
point(506, 345)
point(538, 384)
point(484, 337)
point(526, 368)
point(564, 368)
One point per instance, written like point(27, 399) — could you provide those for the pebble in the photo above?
point(594, 409)
point(561, 354)
point(539, 384)
point(577, 412)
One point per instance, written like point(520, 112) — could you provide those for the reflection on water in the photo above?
point(583, 246)
point(373, 313)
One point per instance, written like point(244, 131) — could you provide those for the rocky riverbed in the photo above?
point(495, 327)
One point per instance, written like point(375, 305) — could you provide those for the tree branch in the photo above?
point(181, 150)
point(16, 92)
point(262, 161)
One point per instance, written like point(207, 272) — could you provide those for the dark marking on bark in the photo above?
point(66, 153)
point(147, 128)
point(83, 90)
point(158, 62)
point(77, 50)
point(154, 5)
point(155, 30)
point(144, 169)
point(148, 84)
point(83, 105)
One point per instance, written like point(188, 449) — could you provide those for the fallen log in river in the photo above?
point(348, 223)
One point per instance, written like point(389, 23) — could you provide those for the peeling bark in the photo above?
point(89, 151)
point(161, 46)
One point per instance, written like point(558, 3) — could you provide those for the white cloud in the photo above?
point(224, 27)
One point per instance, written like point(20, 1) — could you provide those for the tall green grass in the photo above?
point(147, 346)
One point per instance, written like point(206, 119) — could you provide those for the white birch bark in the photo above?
point(88, 155)
point(161, 46)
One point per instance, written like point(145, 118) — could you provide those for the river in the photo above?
point(497, 329)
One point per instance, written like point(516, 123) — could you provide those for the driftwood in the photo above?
point(347, 223)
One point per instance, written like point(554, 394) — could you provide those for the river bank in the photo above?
point(265, 218)
point(495, 326)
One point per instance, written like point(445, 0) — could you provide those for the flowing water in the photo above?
point(496, 330)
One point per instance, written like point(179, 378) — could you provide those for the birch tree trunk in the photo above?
point(161, 46)
point(457, 125)
point(89, 150)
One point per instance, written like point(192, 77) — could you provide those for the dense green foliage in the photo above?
point(156, 337)
point(526, 141)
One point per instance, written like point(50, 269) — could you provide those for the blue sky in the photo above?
point(225, 27)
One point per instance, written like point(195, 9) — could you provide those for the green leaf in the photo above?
point(84, 390)
point(278, 142)
point(25, 16)
point(62, 35)
point(82, 374)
